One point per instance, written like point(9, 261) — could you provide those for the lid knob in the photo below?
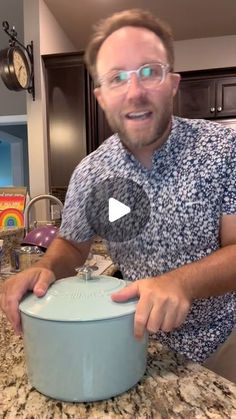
point(84, 272)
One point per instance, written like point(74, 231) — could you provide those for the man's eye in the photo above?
point(151, 72)
point(146, 72)
point(118, 78)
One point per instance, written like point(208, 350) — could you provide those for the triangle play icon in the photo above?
point(117, 209)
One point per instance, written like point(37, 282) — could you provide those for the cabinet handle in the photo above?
point(219, 109)
point(212, 109)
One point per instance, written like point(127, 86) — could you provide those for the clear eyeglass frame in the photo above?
point(149, 75)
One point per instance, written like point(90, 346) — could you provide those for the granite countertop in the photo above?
point(9, 231)
point(172, 387)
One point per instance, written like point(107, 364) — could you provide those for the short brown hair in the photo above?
point(134, 17)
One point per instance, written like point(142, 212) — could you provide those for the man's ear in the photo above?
point(98, 94)
point(175, 77)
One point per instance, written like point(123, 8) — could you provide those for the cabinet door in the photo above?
point(195, 99)
point(98, 128)
point(226, 97)
point(70, 115)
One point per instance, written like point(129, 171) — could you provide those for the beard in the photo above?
point(142, 137)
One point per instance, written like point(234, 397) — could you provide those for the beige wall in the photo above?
point(204, 53)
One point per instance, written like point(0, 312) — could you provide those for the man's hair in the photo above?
point(135, 17)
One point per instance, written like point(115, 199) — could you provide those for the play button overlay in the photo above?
point(117, 209)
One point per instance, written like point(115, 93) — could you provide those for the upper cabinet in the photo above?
point(207, 94)
point(76, 125)
point(66, 82)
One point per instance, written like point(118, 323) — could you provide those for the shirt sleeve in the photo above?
point(74, 224)
point(229, 196)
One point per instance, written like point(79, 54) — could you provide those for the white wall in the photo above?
point(205, 53)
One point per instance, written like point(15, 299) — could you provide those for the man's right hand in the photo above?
point(36, 279)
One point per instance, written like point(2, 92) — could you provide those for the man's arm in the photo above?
point(63, 256)
point(165, 300)
point(215, 274)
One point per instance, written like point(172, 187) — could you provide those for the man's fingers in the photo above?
point(155, 320)
point(141, 317)
point(126, 293)
point(36, 279)
point(10, 308)
point(168, 322)
point(181, 315)
point(42, 285)
point(15, 318)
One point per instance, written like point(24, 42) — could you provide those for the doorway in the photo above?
point(14, 166)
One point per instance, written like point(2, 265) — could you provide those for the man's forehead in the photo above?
point(138, 33)
point(126, 40)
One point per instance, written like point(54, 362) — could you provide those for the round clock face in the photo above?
point(21, 68)
point(15, 68)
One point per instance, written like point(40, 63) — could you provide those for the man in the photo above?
point(183, 261)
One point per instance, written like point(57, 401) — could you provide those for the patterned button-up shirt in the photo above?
point(192, 183)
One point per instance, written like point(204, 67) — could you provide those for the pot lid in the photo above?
point(75, 299)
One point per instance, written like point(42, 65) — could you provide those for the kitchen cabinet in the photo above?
point(104, 130)
point(66, 102)
point(98, 121)
point(207, 94)
point(76, 125)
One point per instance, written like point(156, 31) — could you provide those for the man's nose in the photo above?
point(135, 87)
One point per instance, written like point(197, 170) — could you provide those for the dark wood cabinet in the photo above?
point(75, 122)
point(66, 83)
point(226, 97)
point(98, 127)
point(104, 130)
point(207, 94)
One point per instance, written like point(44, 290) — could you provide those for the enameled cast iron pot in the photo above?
point(79, 344)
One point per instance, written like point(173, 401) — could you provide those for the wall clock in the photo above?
point(17, 64)
point(15, 68)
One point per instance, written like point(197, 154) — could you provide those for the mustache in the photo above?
point(137, 104)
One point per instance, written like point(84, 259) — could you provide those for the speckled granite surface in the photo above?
point(4, 232)
point(172, 388)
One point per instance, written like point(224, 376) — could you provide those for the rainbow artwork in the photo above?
point(11, 217)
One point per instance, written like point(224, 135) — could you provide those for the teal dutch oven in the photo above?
point(79, 344)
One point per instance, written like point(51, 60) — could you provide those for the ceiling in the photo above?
point(187, 18)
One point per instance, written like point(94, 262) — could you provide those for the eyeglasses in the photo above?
point(149, 76)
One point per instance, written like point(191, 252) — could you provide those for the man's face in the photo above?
point(141, 116)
